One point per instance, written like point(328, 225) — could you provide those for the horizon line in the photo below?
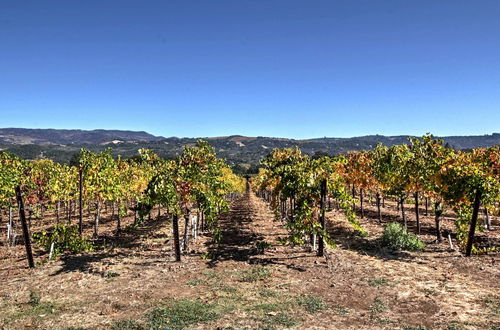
point(247, 136)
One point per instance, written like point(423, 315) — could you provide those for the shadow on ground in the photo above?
point(238, 240)
point(109, 247)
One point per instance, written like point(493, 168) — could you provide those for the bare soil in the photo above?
point(133, 281)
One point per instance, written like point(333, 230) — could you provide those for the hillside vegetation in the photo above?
point(240, 151)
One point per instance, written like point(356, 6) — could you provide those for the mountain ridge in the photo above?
point(67, 136)
point(239, 150)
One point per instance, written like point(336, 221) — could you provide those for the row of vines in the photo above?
point(96, 181)
point(425, 169)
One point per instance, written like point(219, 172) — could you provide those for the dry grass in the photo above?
point(358, 285)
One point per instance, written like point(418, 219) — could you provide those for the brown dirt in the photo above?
point(360, 285)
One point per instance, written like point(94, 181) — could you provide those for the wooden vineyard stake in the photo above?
point(177, 245)
point(22, 216)
point(472, 230)
point(321, 245)
point(186, 231)
point(417, 213)
point(361, 203)
point(379, 214)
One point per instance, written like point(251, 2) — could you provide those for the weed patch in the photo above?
point(255, 274)
point(266, 293)
point(126, 325)
point(379, 281)
point(417, 327)
point(181, 314)
point(311, 304)
point(396, 238)
point(341, 310)
point(194, 282)
point(111, 274)
point(431, 292)
point(35, 299)
point(272, 321)
point(262, 246)
point(228, 289)
point(492, 303)
point(378, 306)
point(211, 274)
point(63, 238)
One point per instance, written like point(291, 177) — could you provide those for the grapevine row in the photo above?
point(423, 168)
point(196, 179)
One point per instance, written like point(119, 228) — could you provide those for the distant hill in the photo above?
point(241, 151)
point(70, 136)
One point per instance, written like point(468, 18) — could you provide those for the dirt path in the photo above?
point(135, 283)
point(238, 231)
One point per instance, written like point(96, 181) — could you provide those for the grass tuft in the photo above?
point(111, 274)
point(182, 314)
point(278, 320)
point(341, 310)
point(255, 274)
point(378, 306)
point(492, 303)
point(311, 304)
point(126, 325)
point(194, 282)
point(211, 274)
point(267, 293)
point(416, 327)
point(378, 281)
point(35, 298)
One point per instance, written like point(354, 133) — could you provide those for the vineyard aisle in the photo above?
point(250, 280)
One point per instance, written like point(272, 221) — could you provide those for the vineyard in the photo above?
point(297, 186)
point(403, 237)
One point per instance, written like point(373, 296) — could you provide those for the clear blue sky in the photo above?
point(262, 67)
